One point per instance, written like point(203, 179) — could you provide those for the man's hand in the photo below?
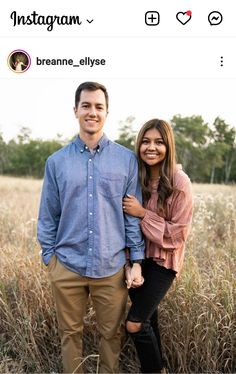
point(133, 275)
point(132, 206)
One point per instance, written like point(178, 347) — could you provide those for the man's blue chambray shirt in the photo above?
point(81, 219)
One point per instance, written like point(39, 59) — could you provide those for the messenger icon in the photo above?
point(215, 18)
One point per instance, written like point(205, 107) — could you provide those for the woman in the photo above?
point(19, 65)
point(165, 222)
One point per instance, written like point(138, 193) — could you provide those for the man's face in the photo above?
point(91, 112)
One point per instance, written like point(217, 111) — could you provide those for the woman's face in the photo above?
point(152, 150)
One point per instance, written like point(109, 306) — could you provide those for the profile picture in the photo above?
point(19, 61)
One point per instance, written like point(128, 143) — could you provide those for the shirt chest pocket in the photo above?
point(111, 185)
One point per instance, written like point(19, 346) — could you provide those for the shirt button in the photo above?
point(90, 249)
point(90, 232)
point(90, 177)
point(90, 213)
point(86, 147)
point(90, 195)
point(90, 159)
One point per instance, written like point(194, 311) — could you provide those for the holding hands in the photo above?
point(133, 275)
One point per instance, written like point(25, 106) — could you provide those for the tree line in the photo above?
point(25, 156)
point(207, 152)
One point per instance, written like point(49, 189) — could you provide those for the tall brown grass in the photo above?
point(197, 317)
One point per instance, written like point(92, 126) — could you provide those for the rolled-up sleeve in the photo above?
point(49, 213)
point(172, 233)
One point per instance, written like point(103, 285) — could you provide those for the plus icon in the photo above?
point(152, 18)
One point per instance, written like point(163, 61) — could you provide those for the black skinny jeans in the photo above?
point(145, 301)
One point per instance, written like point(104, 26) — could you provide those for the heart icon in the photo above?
point(184, 17)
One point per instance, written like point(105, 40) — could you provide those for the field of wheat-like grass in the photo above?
point(197, 318)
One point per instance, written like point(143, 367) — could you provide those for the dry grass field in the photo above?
point(197, 317)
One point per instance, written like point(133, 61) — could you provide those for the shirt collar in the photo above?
point(83, 147)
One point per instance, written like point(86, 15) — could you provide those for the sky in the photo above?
point(46, 105)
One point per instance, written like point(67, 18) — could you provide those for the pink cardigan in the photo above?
point(165, 237)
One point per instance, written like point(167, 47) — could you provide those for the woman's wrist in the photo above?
point(142, 213)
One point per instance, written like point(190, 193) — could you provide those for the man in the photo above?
point(83, 232)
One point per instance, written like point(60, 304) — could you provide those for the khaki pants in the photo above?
point(109, 296)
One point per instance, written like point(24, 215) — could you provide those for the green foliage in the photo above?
point(225, 137)
point(25, 156)
point(126, 133)
point(3, 155)
point(207, 152)
point(191, 135)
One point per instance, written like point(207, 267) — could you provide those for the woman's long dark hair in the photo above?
point(167, 167)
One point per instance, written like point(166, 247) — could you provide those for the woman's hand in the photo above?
point(132, 206)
